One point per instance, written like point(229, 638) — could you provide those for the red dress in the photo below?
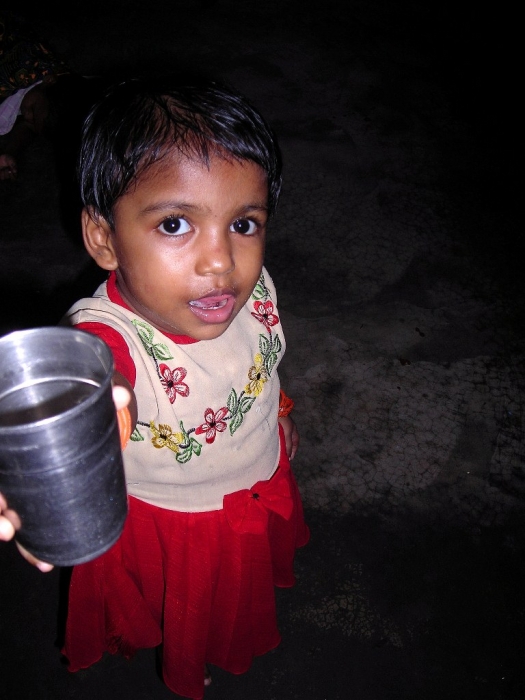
point(202, 584)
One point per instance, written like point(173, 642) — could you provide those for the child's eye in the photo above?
point(245, 226)
point(174, 226)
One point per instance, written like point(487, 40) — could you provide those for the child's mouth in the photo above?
point(213, 309)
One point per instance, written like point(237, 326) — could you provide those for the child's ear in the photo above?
point(98, 240)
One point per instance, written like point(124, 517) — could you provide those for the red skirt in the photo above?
point(200, 584)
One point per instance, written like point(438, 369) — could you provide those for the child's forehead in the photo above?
point(176, 164)
point(183, 180)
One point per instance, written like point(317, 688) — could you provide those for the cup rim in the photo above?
point(101, 350)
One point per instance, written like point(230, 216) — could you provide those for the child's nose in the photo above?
point(216, 254)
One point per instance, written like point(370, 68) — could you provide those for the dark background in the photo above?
point(397, 252)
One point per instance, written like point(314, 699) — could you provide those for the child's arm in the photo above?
point(291, 436)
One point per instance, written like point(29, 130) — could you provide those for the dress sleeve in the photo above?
point(123, 361)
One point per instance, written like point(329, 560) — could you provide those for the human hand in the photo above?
point(9, 520)
point(291, 435)
point(9, 524)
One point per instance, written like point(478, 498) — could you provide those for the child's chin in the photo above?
point(212, 331)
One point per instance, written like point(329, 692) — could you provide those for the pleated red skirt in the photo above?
point(200, 584)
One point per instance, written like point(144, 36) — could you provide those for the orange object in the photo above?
point(124, 425)
point(286, 404)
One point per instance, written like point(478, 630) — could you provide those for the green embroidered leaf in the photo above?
point(196, 446)
point(264, 345)
point(161, 352)
point(144, 330)
point(136, 436)
point(270, 361)
point(246, 404)
point(184, 432)
point(236, 422)
point(231, 402)
point(277, 345)
point(260, 292)
point(184, 457)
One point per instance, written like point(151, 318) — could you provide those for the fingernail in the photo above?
point(43, 567)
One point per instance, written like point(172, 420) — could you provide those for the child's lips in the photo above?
point(214, 307)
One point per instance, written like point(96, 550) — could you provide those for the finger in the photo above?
point(121, 396)
point(43, 566)
point(13, 518)
point(7, 531)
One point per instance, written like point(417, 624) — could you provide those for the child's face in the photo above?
point(188, 243)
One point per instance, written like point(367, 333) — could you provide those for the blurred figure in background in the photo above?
point(28, 69)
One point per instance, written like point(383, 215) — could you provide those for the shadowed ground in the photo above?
point(397, 256)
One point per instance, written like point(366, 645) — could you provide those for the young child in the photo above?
point(178, 183)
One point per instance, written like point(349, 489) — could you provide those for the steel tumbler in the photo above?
point(61, 464)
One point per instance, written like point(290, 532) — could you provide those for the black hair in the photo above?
point(140, 121)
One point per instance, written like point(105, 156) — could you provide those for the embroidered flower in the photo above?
point(257, 375)
point(213, 423)
point(264, 313)
point(163, 436)
point(172, 381)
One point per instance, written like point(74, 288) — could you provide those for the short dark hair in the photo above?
point(139, 121)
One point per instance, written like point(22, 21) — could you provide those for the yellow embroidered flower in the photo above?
point(163, 436)
point(257, 375)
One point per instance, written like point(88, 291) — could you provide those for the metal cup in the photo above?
point(60, 458)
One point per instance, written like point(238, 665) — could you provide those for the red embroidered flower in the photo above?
point(172, 382)
point(264, 313)
point(213, 423)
